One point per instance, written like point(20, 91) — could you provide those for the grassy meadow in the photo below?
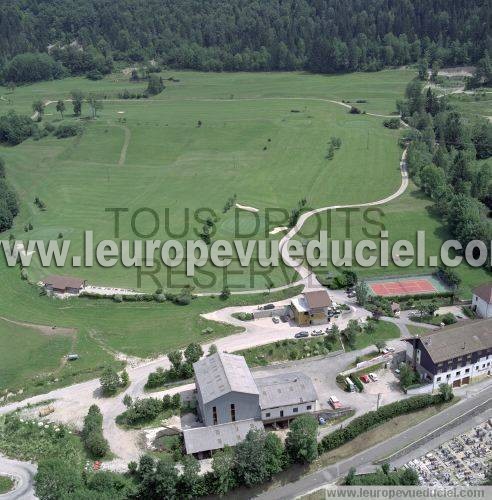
point(262, 137)
point(254, 142)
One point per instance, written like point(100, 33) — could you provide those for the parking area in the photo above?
point(387, 385)
point(323, 373)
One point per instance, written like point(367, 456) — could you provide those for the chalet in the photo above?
point(455, 355)
point(63, 285)
point(482, 300)
point(311, 308)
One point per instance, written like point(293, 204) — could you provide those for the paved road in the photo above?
point(476, 400)
point(23, 473)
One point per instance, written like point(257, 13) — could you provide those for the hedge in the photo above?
point(92, 433)
point(357, 382)
point(374, 418)
point(419, 296)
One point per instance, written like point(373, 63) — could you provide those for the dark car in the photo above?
point(301, 335)
point(268, 306)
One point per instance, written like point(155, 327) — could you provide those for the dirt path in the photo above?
point(128, 136)
point(44, 329)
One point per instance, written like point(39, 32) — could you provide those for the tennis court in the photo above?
point(406, 286)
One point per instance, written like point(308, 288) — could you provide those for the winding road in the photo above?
point(72, 402)
point(23, 475)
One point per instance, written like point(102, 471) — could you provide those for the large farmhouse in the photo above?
point(482, 300)
point(63, 284)
point(454, 355)
point(311, 308)
point(231, 402)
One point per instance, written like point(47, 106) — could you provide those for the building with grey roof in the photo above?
point(285, 396)
point(455, 355)
point(231, 401)
point(203, 440)
point(226, 390)
point(482, 300)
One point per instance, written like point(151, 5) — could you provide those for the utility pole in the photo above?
point(379, 398)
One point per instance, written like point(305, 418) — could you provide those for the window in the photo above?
point(438, 379)
point(458, 373)
point(467, 370)
point(281, 413)
point(233, 412)
point(214, 415)
point(295, 410)
point(308, 407)
point(267, 415)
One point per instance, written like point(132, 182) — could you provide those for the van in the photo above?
point(350, 385)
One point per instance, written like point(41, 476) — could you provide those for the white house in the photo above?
point(482, 300)
point(456, 355)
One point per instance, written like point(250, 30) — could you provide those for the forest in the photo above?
point(446, 159)
point(324, 36)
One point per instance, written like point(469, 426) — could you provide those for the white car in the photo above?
point(373, 377)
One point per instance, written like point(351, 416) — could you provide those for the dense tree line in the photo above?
point(322, 36)
point(446, 159)
point(9, 205)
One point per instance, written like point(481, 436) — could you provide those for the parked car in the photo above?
point(275, 319)
point(335, 402)
point(391, 349)
point(301, 335)
point(365, 378)
point(268, 306)
point(373, 377)
point(317, 333)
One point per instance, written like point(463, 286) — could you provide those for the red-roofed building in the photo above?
point(63, 284)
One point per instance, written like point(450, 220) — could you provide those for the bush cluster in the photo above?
point(145, 410)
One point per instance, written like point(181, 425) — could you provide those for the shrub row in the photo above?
point(419, 296)
point(356, 380)
point(374, 418)
point(182, 298)
point(92, 434)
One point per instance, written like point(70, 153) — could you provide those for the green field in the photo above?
point(254, 141)
point(262, 137)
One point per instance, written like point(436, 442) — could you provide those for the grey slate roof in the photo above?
point(222, 373)
point(484, 292)
point(285, 389)
point(215, 437)
point(458, 340)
